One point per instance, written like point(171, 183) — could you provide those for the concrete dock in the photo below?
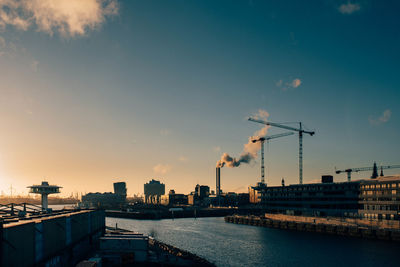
point(382, 230)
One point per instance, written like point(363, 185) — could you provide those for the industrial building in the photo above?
point(59, 239)
point(108, 199)
point(177, 199)
point(153, 190)
point(202, 191)
point(372, 198)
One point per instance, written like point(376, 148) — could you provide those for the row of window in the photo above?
point(380, 192)
point(380, 185)
point(313, 188)
point(382, 207)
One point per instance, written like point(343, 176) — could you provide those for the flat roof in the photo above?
point(39, 220)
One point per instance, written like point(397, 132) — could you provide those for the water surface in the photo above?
point(227, 244)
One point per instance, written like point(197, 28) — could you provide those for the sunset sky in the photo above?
point(94, 92)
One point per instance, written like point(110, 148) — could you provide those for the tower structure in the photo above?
point(218, 181)
point(218, 185)
point(44, 189)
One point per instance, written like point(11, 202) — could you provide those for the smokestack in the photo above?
point(218, 181)
point(250, 150)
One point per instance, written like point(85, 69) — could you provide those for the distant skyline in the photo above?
point(100, 91)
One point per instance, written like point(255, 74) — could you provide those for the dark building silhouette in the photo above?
point(202, 191)
point(120, 188)
point(177, 199)
point(108, 199)
point(153, 190)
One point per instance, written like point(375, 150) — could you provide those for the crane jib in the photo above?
point(282, 126)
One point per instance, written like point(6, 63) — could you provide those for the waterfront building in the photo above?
point(255, 193)
point(108, 199)
point(177, 199)
point(153, 190)
point(370, 198)
point(103, 200)
point(243, 199)
point(380, 198)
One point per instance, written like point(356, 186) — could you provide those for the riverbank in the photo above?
point(173, 256)
point(385, 230)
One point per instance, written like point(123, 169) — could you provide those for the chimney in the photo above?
point(218, 182)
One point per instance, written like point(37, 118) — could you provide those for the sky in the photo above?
point(99, 91)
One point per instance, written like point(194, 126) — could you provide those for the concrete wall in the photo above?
point(50, 239)
point(18, 245)
point(53, 236)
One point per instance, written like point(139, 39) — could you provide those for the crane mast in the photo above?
point(300, 131)
point(262, 141)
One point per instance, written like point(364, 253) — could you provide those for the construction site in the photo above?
point(374, 198)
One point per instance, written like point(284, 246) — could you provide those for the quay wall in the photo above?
point(161, 214)
point(327, 226)
point(51, 241)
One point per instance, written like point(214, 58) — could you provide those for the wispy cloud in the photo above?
point(385, 117)
point(217, 149)
point(290, 84)
point(162, 168)
point(67, 17)
point(34, 65)
point(349, 8)
point(183, 159)
point(165, 132)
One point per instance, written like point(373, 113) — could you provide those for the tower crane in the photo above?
point(262, 140)
point(374, 170)
point(300, 131)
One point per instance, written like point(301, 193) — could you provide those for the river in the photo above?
point(227, 244)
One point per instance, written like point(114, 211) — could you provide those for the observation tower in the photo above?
point(44, 189)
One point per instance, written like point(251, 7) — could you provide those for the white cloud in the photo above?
point(295, 83)
point(68, 17)
point(382, 119)
point(162, 168)
point(261, 115)
point(349, 8)
point(286, 85)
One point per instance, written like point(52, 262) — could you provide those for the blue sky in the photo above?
point(161, 89)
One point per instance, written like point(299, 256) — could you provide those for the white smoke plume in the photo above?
point(250, 149)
